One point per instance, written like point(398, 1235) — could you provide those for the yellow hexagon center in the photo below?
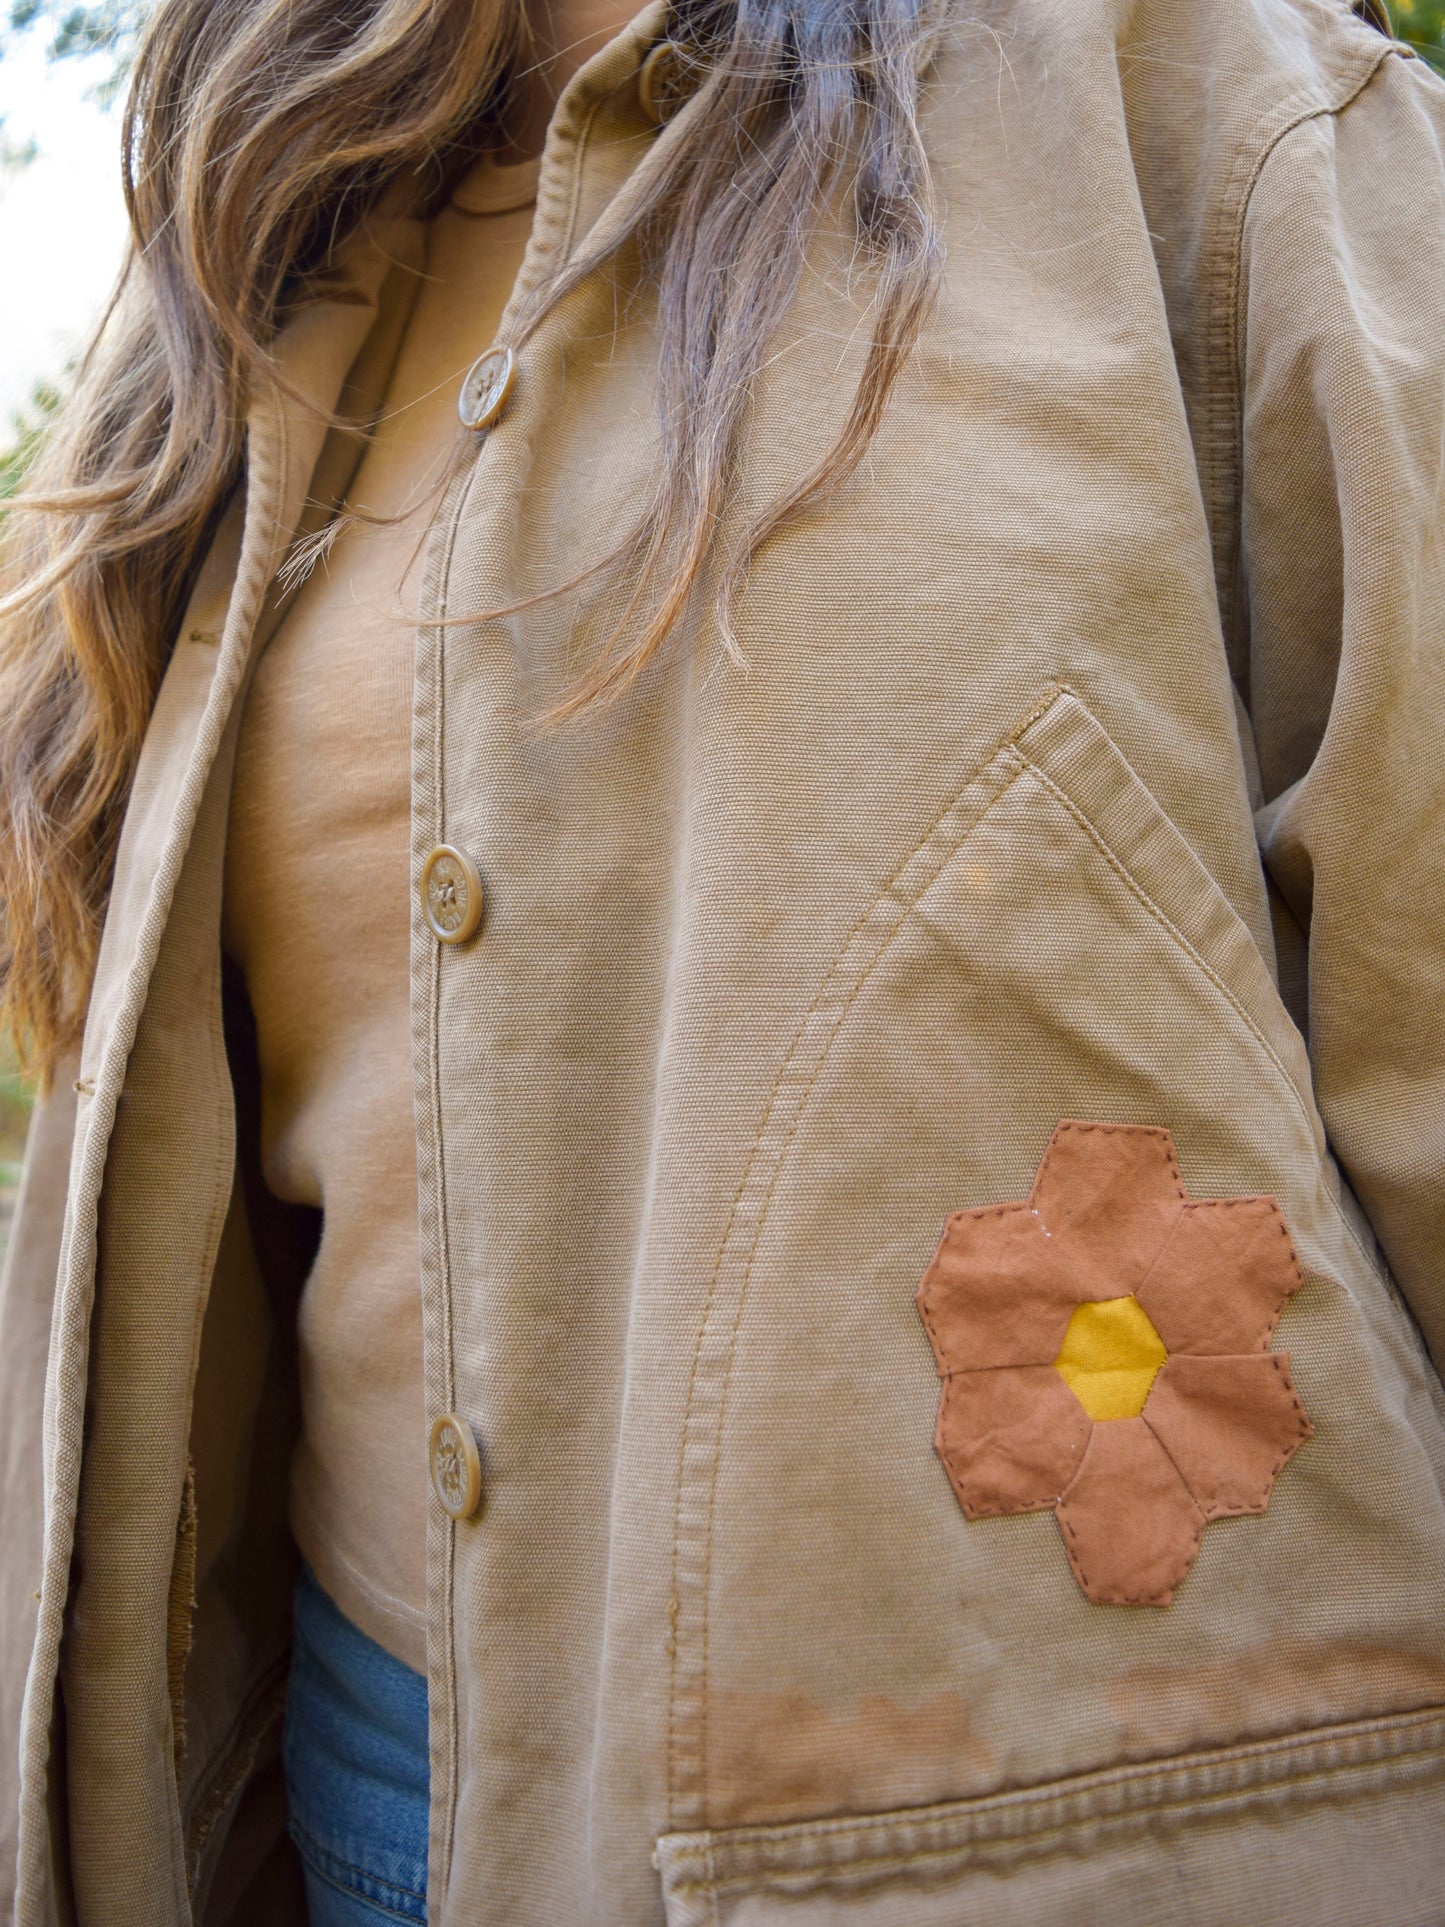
point(1109, 1357)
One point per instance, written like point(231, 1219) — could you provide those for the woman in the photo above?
point(912, 692)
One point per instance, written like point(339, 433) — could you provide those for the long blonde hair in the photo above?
point(257, 134)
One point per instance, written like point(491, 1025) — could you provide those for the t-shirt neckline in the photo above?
point(497, 187)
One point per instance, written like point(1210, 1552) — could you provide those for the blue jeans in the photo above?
point(357, 1770)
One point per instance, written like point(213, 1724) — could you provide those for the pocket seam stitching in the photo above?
point(1155, 910)
point(1123, 1815)
point(1003, 752)
point(1171, 929)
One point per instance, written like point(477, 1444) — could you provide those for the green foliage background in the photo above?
point(1422, 23)
point(15, 1099)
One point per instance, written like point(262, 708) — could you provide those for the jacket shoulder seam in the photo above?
point(1221, 457)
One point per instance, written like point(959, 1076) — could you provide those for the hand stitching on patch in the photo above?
point(1104, 1348)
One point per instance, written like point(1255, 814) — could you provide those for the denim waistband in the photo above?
point(357, 1769)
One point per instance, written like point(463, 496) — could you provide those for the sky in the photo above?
point(62, 221)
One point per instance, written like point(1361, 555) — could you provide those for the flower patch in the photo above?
point(1104, 1347)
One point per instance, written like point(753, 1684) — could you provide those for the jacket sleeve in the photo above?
point(1342, 502)
point(27, 1290)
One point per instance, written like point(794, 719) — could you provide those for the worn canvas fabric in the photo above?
point(1087, 767)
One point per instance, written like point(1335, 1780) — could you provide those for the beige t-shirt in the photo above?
point(316, 914)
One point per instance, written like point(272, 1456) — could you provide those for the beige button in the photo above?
point(486, 388)
point(666, 78)
point(456, 1466)
point(452, 896)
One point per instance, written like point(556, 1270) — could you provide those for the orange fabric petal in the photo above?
point(1010, 1440)
point(1131, 1527)
point(1222, 1280)
point(997, 1291)
point(1230, 1425)
point(1108, 1195)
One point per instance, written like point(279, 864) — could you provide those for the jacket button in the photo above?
point(452, 896)
point(486, 387)
point(456, 1466)
point(665, 79)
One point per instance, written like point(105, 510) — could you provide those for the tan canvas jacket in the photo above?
point(979, 1021)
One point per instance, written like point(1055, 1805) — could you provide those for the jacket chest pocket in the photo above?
point(851, 1652)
